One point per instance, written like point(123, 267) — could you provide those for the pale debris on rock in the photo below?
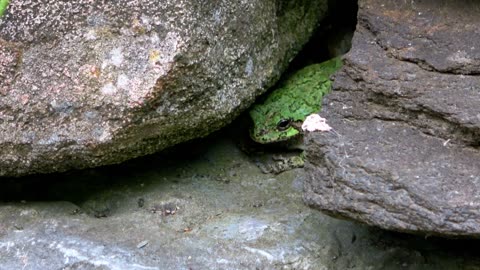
point(315, 122)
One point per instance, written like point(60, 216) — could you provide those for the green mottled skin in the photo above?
point(3, 6)
point(297, 97)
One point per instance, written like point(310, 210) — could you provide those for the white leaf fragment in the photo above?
point(315, 122)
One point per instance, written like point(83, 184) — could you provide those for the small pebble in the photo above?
point(142, 244)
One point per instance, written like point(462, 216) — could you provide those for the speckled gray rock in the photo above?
point(85, 84)
point(404, 155)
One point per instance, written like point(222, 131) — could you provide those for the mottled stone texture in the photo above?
point(89, 83)
point(405, 153)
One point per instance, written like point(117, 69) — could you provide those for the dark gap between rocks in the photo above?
point(333, 36)
point(78, 185)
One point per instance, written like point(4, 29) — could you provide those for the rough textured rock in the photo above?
point(405, 152)
point(88, 83)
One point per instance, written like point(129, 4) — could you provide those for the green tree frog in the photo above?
point(279, 118)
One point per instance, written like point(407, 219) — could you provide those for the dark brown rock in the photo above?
point(404, 154)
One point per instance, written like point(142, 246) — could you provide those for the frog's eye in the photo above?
point(283, 124)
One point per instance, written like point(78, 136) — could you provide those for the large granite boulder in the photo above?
point(404, 154)
point(87, 83)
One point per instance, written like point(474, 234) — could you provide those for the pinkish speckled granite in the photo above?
point(89, 83)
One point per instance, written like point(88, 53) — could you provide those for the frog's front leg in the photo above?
point(282, 163)
point(279, 163)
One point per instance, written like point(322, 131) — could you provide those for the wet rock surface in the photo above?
point(210, 210)
point(85, 83)
point(404, 154)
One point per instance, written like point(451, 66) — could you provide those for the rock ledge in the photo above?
point(404, 153)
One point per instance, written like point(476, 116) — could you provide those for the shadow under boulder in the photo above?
point(404, 154)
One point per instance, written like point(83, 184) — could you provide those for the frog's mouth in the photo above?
point(297, 125)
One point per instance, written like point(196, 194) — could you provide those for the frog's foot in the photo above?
point(283, 163)
point(279, 164)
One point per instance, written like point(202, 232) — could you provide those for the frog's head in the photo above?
point(271, 125)
point(280, 116)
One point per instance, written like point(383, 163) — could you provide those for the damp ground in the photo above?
point(205, 205)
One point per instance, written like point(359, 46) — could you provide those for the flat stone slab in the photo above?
point(404, 153)
point(227, 214)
